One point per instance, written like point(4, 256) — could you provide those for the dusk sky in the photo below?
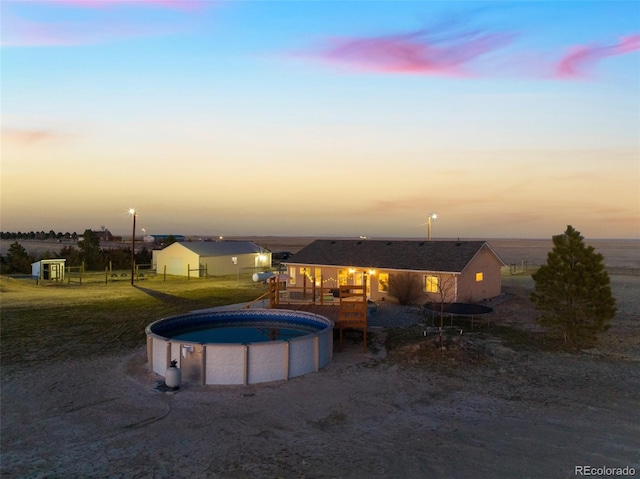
point(321, 118)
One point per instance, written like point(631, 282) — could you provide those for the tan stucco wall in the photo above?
point(458, 288)
point(470, 290)
point(330, 280)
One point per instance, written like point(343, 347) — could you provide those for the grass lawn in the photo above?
point(49, 323)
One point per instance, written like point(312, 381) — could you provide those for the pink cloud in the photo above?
point(180, 4)
point(580, 58)
point(20, 32)
point(28, 136)
point(414, 53)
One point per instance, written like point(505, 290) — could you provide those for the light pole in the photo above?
point(434, 217)
point(132, 212)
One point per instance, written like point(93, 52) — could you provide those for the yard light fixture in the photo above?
point(132, 212)
point(432, 217)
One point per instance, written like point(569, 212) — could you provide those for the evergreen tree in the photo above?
point(18, 260)
point(72, 256)
point(90, 251)
point(572, 290)
point(144, 256)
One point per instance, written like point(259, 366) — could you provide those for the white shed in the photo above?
point(49, 269)
point(217, 258)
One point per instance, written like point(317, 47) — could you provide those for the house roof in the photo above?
point(441, 256)
point(222, 248)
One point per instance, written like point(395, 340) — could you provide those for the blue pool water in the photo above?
point(238, 327)
point(238, 335)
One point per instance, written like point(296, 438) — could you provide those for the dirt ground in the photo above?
point(498, 411)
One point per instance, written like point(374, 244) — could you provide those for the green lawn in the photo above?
point(47, 323)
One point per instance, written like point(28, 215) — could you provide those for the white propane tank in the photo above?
point(173, 376)
point(265, 275)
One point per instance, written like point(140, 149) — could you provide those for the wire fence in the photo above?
point(524, 268)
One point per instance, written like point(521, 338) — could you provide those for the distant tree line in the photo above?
point(37, 235)
point(88, 251)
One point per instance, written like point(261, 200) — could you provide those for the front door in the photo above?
point(358, 278)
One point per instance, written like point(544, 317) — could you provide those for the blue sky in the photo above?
point(509, 119)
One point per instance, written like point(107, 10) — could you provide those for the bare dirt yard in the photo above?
point(500, 402)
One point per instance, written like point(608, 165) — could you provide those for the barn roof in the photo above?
point(223, 248)
point(442, 256)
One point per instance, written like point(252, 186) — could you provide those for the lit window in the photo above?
point(383, 282)
point(318, 274)
point(479, 276)
point(343, 277)
point(292, 275)
point(431, 284)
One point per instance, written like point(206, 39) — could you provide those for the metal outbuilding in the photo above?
point(211, 258)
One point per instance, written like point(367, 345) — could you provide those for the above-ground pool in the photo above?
point(240, 347)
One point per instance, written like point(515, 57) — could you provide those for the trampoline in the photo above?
point(430, 310)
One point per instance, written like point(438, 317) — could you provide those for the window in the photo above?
point(305, 272)
point(318, 274)
point(292, 275)
point(479, 276)
point(383, 282)
point(343, 277)
point(431, 284)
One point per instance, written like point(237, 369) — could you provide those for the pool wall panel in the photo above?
point(159, 362)
point(266, 362)
point(301, 356)
point(325, 354)
point(225, 364)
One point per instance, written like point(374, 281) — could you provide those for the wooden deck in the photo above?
point(350, 312)
point(330, 311)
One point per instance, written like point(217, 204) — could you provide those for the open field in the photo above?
point(52, 323)
point(617, 253)
point(78, 400)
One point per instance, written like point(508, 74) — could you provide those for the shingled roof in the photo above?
point(440, 256)
point(222, 248)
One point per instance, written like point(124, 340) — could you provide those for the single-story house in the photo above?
point(49, 269)
point(448, 271)
point(217, 258)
